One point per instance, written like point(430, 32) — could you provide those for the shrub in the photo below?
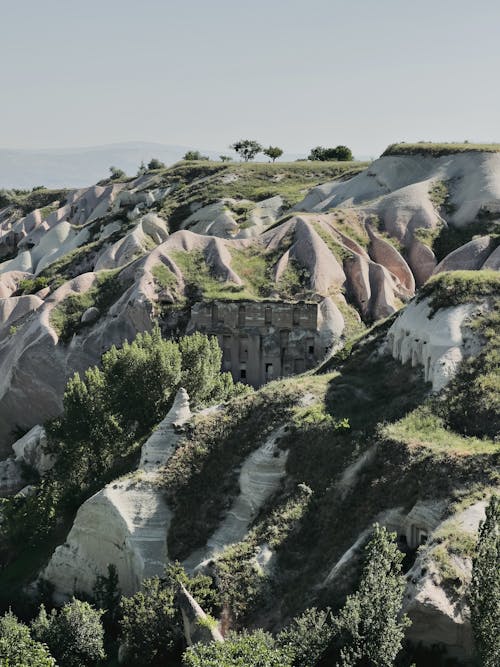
point(154, 163)
point(18, 649)
point(151, 623)
point(256, 649)
point(195, 155)
point(117, 174)
point(340, 153)
point(308, 637)
point(74, 634)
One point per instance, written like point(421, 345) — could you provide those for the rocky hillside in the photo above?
point(86, 269)
point(273, 493)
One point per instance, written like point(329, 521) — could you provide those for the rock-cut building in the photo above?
point(265, 340)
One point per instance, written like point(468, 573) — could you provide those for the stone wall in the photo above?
point(262, 340)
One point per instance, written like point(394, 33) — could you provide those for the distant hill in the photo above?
point(78, 167)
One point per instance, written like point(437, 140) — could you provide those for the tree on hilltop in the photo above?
point(154, 163)
point(322, 154)
point(273, 152)
point(195, 155)
point(247, 149)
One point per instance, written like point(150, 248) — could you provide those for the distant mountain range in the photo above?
point(78, 167)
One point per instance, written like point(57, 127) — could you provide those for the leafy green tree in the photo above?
point(18, 649)
point(369, 629)
point(247, 149)
point(256, 649)
point(484, 594)
point(225, 158)
point(341, 153)
point(151, 623)
point(201, 362)
point(307, 637)
point(273, 152)
point(154, 163)
point(195, 155)
point(74, 634)
point(140, 379)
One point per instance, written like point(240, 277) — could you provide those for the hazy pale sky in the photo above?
point(204, 73)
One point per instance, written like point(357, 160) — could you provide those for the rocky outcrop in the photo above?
point(125, 524)
point(31, 450)
point(437, 615)
point(470, 256)
point(198, 627)
point(260, 476)
point(438, 342)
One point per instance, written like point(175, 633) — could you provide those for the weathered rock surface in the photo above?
point(438, 343)
point(260, 476)
point(126, 523)
point(30, 449)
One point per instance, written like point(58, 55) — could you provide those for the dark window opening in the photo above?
point(296, 316)
point(243, 373)
point(241, 316)
point(310, 349)
point(268, 315)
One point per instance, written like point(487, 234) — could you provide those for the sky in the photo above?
point(291, 73)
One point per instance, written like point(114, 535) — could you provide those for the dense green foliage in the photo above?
point(340, 153)
point(369, 629)
point(154, 164)
point(471, 402)
point(107, 413)
point(18, 648)
point(151, 623)
point(308, 637)
point(195, 155)
point(453, 288)
point(438, 149)
point(65, 318)
point(485, 588)
point(256, 649)
point(74, 634)
point(27, 200)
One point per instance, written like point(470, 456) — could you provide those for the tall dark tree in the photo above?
point(369, 628)
point(484, 592)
